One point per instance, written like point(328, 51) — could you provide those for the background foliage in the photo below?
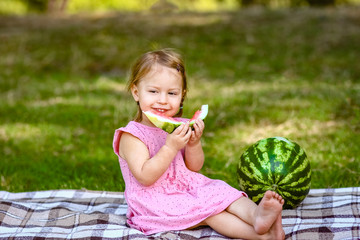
point(75, 6)
point(286, 72)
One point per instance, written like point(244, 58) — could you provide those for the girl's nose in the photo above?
point(162, 98)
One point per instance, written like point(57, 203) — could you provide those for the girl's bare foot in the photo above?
point(276, 231)
point(268, 212)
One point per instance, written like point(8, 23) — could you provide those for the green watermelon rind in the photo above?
point(170, 125)
point(293, 185)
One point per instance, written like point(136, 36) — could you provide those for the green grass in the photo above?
point(291, 73)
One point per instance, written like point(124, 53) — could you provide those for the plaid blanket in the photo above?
point(82, 214)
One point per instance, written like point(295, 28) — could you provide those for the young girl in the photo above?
point(164, 190)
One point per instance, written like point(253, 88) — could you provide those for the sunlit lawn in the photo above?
point(290, 73)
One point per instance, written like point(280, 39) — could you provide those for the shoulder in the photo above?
point(125, 134)
point(129, 142)
point(132, 128)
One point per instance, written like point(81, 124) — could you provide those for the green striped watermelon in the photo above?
point(276, 164)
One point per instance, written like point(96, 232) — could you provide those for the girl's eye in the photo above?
point(152, 91)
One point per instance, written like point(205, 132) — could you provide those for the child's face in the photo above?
point(160, 90)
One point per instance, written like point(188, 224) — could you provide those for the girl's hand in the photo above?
point(194, 154)
point(197, 132)
point(179, 138)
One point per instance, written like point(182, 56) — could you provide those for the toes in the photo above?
point(269, 194)
point(281, 200)
point(278, 196)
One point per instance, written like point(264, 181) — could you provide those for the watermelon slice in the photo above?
point(169, 124)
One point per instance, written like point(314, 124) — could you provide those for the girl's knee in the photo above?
point(203, 223)
point(242, 203)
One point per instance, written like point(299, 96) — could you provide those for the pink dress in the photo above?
point(179, 199)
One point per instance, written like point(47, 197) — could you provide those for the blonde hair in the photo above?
point(165, 57)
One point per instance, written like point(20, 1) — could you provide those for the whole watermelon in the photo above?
point(276, 164)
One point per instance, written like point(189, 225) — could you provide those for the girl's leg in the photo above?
point(230, 225)
point(261, 216)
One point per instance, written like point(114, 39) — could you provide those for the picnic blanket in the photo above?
point(83, 214)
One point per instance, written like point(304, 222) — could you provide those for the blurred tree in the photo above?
point(162, 6)
point(36, 5)
point(46, 6)
point(321, 3)
point(57, 6)
point(246, 3)
point(318, 3)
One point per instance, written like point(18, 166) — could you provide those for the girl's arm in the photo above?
point(194, 154)
point(148, 170)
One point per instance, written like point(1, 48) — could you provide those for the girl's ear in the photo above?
point(135, 93)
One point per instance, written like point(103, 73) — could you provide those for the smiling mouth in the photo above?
point(160, 110)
